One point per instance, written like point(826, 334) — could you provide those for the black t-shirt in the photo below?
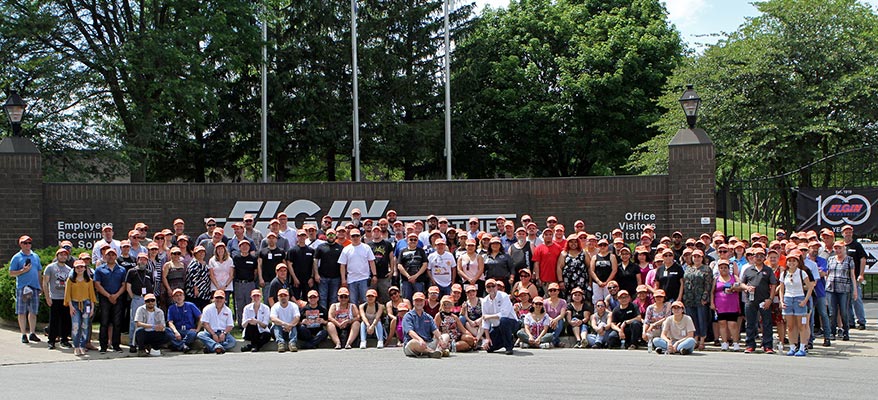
point(309, 316)
point(383, 251)
point(580, 314)
point(627, 277)
point(603, 266)
point(276, 285)
point(497, 267)
point(621, 315)
point(670, 279)
point(327, 255)
point(302, 260)
point(270, 259)
point(245, 267)
point(412, 260)
point(857, 252)
point(127, 262)
point(761, 280)
point(139, 279)
point(520, 258)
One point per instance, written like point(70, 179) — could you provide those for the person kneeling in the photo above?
point(678, 332)
point(150, 327)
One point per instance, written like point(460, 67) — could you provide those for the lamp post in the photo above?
point(690, 103)
point(14, 108)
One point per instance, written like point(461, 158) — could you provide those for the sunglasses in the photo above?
point(150, 301)
point(612, 287)
point(312, 297)
point(676, 308)
point(211, 224)
point(413, 240)
point(601, 245)
point(176, 253)
point(286, 295)
point(553, 290)
point(601, 305)
point(330, 235)
point(490, 286)
point(343, 296)
point(26, 242)
point(722, 251)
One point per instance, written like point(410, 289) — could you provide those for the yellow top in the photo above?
point(79, 291)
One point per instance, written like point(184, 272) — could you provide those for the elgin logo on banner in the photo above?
point(833, 208)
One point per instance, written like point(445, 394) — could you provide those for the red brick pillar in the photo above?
point(21, 186)
point(691, 183)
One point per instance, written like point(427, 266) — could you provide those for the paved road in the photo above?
point(539, 373)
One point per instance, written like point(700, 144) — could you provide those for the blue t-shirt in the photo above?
point(820, 288)
point(30, 278)
point(423, 325)
point(184, 317)
point(111, 280)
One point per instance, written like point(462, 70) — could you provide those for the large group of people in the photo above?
point(433, 289)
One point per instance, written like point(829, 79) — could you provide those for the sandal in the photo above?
point(338, 347)
point(347, 346)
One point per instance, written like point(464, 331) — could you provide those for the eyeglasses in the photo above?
point(553, 290)
point(330, 235)
point(690, 244)
point(176, 253)
point(211, 224)
point(697, 256)
point(286, 295)
point(722, 251)
point(612, 287)
point(141, 229)
point(601, 305)
point(473, 223)
point(413, 240)
point(538, 304)
point(312, 297)
point(602, 245)
point(159, 238)
point(623, 296)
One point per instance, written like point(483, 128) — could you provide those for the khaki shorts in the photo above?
point(432, 345)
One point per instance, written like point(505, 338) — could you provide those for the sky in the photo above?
point(695, 19)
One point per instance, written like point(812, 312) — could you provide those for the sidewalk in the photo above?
point(13, 352)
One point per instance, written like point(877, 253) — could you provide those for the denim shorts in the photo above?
point(27, 304)
point(792, 306)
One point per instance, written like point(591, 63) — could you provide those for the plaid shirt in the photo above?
point(839, 278)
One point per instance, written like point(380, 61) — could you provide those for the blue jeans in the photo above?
point(408, 289)
point(503, 334)
point(699, 318)
point(594, 338)
point(212, 345)
point(522, 335)
point(136, 301)
point(81, 323)
point(328, 288)
point(839, 303)
point(379, 332)
point(186, 338)
point(752, 312)
point(820, 311)
point(688, 343)
point(556, 334)
point(310, 341)
point(282, 336)
point(444, 290)
point(857, 307)
point(358, 291)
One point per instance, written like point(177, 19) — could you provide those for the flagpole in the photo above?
point(264, 122)
point(447, 97)
point(356, 110)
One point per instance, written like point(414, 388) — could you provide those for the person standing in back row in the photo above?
point(328, 271)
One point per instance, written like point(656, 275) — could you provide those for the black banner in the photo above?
point(820, 208)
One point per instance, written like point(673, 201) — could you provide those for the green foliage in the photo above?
point(7, 286)
point(791, 86)
point(560, 88)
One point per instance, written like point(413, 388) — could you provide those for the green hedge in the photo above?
point(7, 286)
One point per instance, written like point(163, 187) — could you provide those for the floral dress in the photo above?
point(574, 272)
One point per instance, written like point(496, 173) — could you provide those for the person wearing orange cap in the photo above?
point(149, 334)
point(795, 288)
point(412, 266)
point(545, 260)
point(577, 314)
point(625, 323)
point(856, 251)
point(138, 283)
point(449, 323)
point(217, 321)
point(603, 268)
point(107, 239)
point(255, 320)
point(677, 332)
point(422, 336)
point(840, 280)
point(535, 329)
point(312, 326)
point(357, 263)
point(442, 267)
point(183, 321)
point(344, 320)
point(697, 282)
point(54, 281)
point(79, 296)
point(196, 280)
point(327, 269)
point(499, 321)
point(599, 323)
point(497, 265)
point(110, 286)
point(371, 313)
point(759, 282)
point(284, 319)
point(654, 317)
point(725, 301)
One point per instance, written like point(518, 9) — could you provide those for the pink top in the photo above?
point(650, 278)
point(726, 301)
point(557, 309)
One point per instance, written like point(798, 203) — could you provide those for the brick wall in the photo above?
point(21, 192)
point(692, 190)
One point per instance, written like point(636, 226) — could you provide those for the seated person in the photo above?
point(678, 332)
point(255, 320)
point(344, 320)
point(600, 325)
point(217, 321)
point(626, 323)
point(149, 320)
point(183, 320)
point(312, 327)
point(449, 323)
point(284, 319)
point(536, 328)
point(422, 336)
point(370, 319)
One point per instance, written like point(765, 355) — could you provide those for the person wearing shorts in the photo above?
point(25, 268)
point(795, 288)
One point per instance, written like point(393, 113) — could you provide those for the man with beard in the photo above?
point(328, 271)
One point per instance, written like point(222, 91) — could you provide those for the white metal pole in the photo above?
point(356, 111)
point(447, 97)
point(264, 94)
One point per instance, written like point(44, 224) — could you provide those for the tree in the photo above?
point(560, 88)
point(793, 85)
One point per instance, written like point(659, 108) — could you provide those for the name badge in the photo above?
point(143, 291)
point(270, 256)
point(88, 309)
point(683, 331)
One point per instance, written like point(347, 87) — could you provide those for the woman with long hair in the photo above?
point(602, 268)
point(795, 287)
point(222, 270)
point(697, 281)
point(572, 266)
point(197, 287)
point(79, 295)
point(471, 267)
point(726, 302)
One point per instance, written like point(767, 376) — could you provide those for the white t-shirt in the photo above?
point(285, 314)
point(356, 259)
point(222, 270)
point(440, 266)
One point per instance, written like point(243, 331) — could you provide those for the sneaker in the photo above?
point(749, 350)
point(281, 347)
point(362, 345)
point(103, 350)
point(293, 348)
point(769, 350)
point(155, 352)
point(24, 339)
point(724, 346)
point(801, 353)
point(845, 338)
point(185, 349)
point(446, 353)
point(132, 349)
point(65, 344)
point(826, 343)
point(76, 352)
point(117, 349)
point(509, 352)
point(632, 347)
point(685, 351)
point(792, 351)
point(220, 350)
point(659, 351)
point(142, 353)
point(861, 327)
point(90, 346)
point(809, 346)
point(33, 338)
point(380, 344)
point(545, 345)
point(736, 347)
point(246, 348)
point(522, 345)
point(583, 343)
point(577, 346)
point(436, 354)
point(51, 346)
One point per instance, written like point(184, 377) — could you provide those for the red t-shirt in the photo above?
point(547, 256)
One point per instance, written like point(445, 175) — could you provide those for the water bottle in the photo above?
point(649, 347)
point(623, 343)
point(453, 346)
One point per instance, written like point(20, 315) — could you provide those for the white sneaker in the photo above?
point(523, 345)
point(724, 346)
point(380, 344)
point(362, 345)
point(736, 347)
point(545, 345)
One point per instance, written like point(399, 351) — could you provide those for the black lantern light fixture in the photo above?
point(14, 108)
point(690, 103)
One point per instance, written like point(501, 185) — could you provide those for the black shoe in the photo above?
point(809, 346)
point(103, 350)
point(185, 349)
point(132, 349)
point(845, 338)
point(826, 343)
point(24, 339)
point(509, 352)
point(206, 351)
point(862, 327)
point(65, 344)
point(51, 346)
point(33, 338)
point(246, 348)
point(117, 349)
point(685, 351)
point(659, 350)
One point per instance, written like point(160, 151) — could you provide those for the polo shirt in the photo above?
point(111, 280)
point(218, 319)
point(423, 325)
point(184, 317)
point(32, 277)
point(761, 280)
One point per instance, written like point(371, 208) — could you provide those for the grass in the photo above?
point(743, 230)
